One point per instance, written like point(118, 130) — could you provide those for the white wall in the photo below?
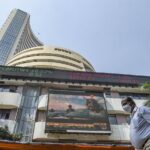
point(9, 123)
point(119, 133)
point(115, 104)
point(9, 100)
point(43, 102)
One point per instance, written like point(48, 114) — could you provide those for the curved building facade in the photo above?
point(51, 57)
point(16, 35)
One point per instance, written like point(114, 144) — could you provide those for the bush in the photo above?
point(16, 137)
point(147, 86)
point(6, 135)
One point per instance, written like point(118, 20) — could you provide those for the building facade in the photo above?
point(35, 102)
point(16, 35)
point(50, 57)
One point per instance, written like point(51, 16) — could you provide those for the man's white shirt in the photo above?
point(140, 126)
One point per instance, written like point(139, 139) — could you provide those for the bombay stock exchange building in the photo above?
point(16, 35)
point(52, 94)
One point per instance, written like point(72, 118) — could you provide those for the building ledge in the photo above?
point(56, 146)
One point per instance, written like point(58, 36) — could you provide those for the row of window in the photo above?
point(113, 119)
point(49, 60)
point(119, 119)
point(4, 113)
point(8, 88)
point(32, 49)
point(10, 35)
point(27, 40)
point(46, 54)
point(41, 116)
point(123, 95)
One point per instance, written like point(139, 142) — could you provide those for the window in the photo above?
point(134, 95)
point(41, 116)
point(108, 94)
point(4, 113)
point(112, 119)
point(8, 88)
point(123, 119)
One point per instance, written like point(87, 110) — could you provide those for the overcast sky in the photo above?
point(114, 35)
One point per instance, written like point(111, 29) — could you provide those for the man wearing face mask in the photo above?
point(139, 125)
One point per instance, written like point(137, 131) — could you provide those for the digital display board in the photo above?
point(71, 76)
point(76, 112)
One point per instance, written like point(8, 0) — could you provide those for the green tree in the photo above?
point(6, 135)
point(147, 86)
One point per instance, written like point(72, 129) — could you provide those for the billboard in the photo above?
point(76, 112)
point(73, 76)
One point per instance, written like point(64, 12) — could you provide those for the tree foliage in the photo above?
point(6, 135)
point(147, 86)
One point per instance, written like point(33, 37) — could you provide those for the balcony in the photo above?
point(120, 133)
point(9, 123)
point(9, 100)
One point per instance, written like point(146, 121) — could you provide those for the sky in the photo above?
point(113, 35)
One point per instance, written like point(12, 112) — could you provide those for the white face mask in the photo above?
point(127, 108)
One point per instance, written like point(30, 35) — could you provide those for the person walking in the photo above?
point(139, 125)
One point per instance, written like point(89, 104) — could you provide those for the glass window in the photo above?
point(108, 94)
point(4, 113)
point(134, 95)
point(112, 119)
point(122, 119)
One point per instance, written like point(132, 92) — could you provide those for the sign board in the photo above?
point(71, 76)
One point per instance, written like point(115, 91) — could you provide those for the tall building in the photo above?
point(16, 35)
